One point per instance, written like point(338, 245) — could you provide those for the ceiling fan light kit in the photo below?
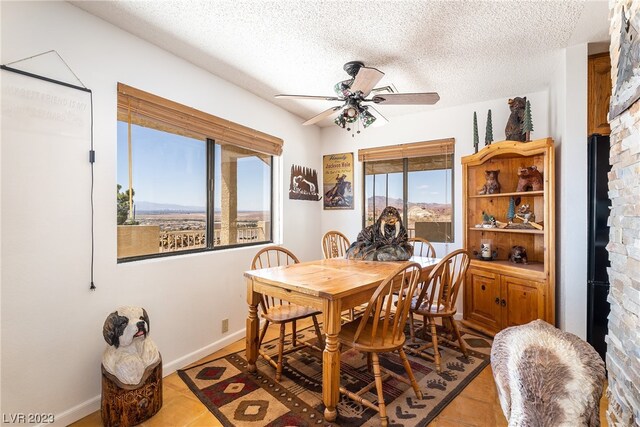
point(353, 93)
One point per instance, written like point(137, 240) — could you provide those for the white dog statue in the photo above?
point(130, 351)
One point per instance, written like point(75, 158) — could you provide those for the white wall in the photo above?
point(51, 323)
point(456, 122)
point(571, 204)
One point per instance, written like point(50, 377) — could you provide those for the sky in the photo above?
point(171, 169)
point(432, 186)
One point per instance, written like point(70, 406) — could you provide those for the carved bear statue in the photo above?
point(491, 186)
point(513, 130)
point(529, 179)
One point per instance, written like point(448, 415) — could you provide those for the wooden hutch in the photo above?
point(499, 293)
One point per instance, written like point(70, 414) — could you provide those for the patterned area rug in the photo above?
point(239, 398)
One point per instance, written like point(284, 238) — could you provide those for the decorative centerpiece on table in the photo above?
point(384, 240)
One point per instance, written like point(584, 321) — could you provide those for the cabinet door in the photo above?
point(599, 92)
point(482, 299)
point(521, 300)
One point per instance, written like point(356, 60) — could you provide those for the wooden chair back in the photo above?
point(334, 244)
point(440, 291)
point(422, 247)
point(272, 256)
point(387, 325)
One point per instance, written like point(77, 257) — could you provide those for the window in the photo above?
point(188, 181)
point(417, 180)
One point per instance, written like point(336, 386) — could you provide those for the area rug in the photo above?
point(239, 398)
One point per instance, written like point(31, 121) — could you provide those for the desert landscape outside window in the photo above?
point(181, 190)
point(419, 186)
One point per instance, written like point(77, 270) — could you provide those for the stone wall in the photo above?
point(623, 350)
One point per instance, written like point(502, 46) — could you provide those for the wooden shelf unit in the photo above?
point(500, 293)
point(514, 194)
point(508, 230)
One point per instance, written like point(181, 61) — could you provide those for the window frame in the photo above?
point(208, 125)
point(405, 152)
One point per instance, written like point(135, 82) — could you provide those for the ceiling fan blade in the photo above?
point(428, 98)
point(380, 119)
point(320, 98)
point(324, 114)
point(366, 79)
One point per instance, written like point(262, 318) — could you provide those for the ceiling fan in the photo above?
point(353, 92)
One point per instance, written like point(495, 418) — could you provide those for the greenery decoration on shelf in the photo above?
point(527, 124)
point(488, 139)
point(476, 138)
point(511, 212)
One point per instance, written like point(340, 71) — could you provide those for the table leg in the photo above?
point(253, 326)
point(331, 360)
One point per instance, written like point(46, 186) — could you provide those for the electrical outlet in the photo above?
point(225, 325)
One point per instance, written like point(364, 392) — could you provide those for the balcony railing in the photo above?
point(179, 240)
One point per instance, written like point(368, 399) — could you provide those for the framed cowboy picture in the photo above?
point(337, 179)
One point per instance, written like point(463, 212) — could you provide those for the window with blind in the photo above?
point(416, 179)
point(188, 181)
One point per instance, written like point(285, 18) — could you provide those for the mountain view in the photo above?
point(151, 207)
point(416, 212)
point(381, 202)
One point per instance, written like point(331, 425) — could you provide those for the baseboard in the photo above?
point(76, 413)
point(92, 405)
point(171, 367)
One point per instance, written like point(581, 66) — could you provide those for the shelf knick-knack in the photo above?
point(527, 124)
point(488, 138)
point(511, 212)
point(491, 185)
point(513, 130)
point(476, 139)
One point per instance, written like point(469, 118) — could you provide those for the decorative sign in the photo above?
point(303, 184)
point(337, 179)
point(627, 89)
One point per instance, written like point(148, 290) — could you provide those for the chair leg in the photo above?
point(434, 339)
point(457, 333)
point(369, 363)
point(425, 322)
point(316, 326)
point(263, 333)
point(280, 350)
point(412, 333)
point(294, 339)
point(407, 368)
point(382, 409)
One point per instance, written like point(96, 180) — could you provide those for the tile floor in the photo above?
point(476, 406)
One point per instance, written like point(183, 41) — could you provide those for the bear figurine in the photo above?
point(491, 186)
point(518, 255)
point(513, 130)
point(529, 179)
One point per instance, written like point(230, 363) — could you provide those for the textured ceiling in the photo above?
point(467, 51)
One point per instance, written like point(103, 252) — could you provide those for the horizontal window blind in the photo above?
point(415, 149)
point(145, 109)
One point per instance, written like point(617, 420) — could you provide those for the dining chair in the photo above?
point(436, 298)
point(422, 247)
point(380, 330)
point(280, 312)
point(334, 244)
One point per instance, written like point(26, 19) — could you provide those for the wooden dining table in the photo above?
point(328, 285)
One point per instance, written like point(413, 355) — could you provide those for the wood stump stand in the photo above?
point(125, 405)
